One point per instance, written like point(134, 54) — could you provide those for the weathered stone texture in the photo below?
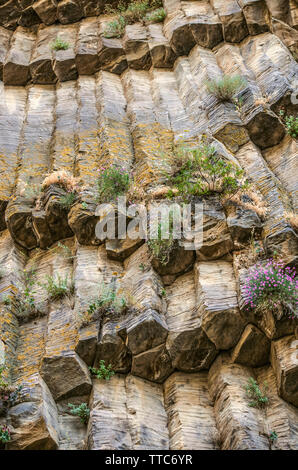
point(185, 347)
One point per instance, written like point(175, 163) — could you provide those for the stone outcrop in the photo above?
point(184, 348)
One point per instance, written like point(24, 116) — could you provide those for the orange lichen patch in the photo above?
point(64, 151)
point(61, 178)
point(153, 145)
point(88, 157)
point(7, 174)
point(29, 353)
point(232, 137)
point(115, 144)
point(9, 331)
point(62, 332)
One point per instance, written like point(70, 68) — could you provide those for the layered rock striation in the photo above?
point(186, 349)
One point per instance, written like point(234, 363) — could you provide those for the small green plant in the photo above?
point(67, 200)
point(163, 293)
point(9, 396)
point(58, 287)
point(238, 102)
point(291, 124)
point(137, 10)
point(109, 301)
point(273, 436)
point(22, 302)
point(112, 182)
point(163, 245)
point(103, 372)
point(115, 28)
point(32, 191)
point(225, 88)
point(258, 399)
point(156, 16)
point(201, 171)
point(80, 410)
point(66, 251)
point(4, 434)
point(59, 45)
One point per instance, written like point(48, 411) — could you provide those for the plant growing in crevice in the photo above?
point(156, 16)
point(162, 245)
point(271, 286)
point(137, 10)
point(115, 28)
point(256, 247)
point(66, 251)
point(67, 200)
point(9, 395)
point(163, 293)
point(5, 434)
point(109, 301)
point(291, 123)
point(226, 87)
point(111, 183)
point(22, 301)
point(201, 171)
point(31, 191)
point(273, 437)
point(58, 287)
point(59, 45)
point(82, 411)
point(258, 398)
point(102, 372)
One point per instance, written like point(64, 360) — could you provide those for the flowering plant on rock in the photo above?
point(4, 434)
point(272, 286)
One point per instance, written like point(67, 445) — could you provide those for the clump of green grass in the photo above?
point(138, 10)
point(102, 372)
point(225, 88)
point(201, 171)
point(59, 45)
point(115, 28)
point(80, 410)
point(22, 302)
point(67, 200)
point(111, 183)
point(258, 398)
point(162, 246)
point(58, 287)
point(156, 16)
point(109, 301)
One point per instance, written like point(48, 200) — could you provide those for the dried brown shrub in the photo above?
point(61, 178)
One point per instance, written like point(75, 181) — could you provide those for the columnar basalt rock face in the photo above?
point(185, 347)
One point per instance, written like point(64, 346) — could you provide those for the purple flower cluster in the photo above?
point(273, 284)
